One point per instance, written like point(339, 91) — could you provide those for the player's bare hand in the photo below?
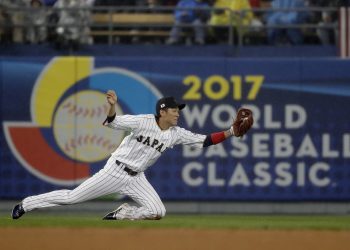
point(111, 97)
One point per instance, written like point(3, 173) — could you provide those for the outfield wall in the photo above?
point(298, 150)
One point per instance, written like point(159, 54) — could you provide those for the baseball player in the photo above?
point(150, 135)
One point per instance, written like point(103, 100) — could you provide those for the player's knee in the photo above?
point(157, 214)
point(160, 213)
point(69, 199)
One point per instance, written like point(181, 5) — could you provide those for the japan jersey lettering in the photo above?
point(146, 141)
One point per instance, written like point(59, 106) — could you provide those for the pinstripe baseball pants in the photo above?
point(111, 179)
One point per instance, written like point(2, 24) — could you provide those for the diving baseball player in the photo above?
point(150, 135)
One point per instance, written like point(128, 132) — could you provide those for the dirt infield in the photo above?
point(168, 239)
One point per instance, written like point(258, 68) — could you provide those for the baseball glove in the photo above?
point(243, 122)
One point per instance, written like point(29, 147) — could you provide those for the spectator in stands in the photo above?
point(49, 2)
point(73, 25)
point(325, 20)
point(257, 22)
point(17, 18)
point(36, 32)
point(281, 16)
point(5, 25)
point(255, 3)
point(151, 6)
point(86, 15)
point(192, 12)
point(239, 17)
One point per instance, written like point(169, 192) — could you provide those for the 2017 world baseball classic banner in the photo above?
point(52, 136)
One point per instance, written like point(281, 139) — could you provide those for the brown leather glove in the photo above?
point(243, 122)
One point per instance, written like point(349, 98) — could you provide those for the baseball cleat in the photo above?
point(113, 215)
point(17, 211)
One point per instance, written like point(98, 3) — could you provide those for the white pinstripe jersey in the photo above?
point(146, 141)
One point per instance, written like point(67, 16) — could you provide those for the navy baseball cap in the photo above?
point(168, 102)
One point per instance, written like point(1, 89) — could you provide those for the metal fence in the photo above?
point(26, 25)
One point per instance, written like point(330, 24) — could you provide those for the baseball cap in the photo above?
point(168, 102)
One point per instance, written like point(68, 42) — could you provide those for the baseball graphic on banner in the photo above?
point(78, 128)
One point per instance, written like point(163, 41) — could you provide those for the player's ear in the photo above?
point(162, 112)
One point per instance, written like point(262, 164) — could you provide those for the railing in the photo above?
point(110, 25)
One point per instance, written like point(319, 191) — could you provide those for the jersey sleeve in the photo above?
point(124, 122)
point(186, 137)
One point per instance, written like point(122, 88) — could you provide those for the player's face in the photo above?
point(171, 116)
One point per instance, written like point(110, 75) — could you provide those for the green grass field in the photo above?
point(184, 221)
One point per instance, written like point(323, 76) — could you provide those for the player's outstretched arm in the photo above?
point(241, 124)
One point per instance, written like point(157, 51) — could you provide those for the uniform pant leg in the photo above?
point(141, 191)
point(98, 185)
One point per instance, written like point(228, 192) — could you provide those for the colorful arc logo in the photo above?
point(65, 135)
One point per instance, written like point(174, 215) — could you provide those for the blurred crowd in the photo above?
point(45, 21)
point(69, 21)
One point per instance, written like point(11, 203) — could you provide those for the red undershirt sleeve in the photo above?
point(214, 138)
